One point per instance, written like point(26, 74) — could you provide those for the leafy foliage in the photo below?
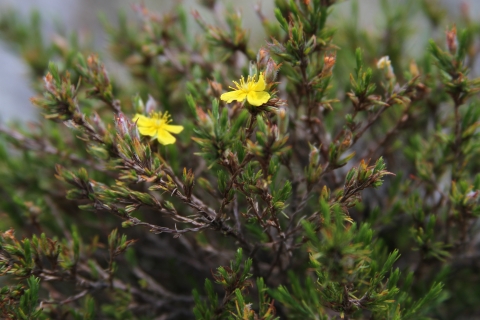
point(280, 211)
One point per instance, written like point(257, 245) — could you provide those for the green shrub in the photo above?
point(338, 178)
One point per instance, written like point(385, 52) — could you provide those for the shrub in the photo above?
point(336, 178)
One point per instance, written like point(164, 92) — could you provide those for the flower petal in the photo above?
point(141, 120)
point(173, 128)
point(260, 84)
point(165, 138)
point(238, 95)
point(147, 131)
point(258, 98)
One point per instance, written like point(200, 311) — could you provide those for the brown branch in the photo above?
point(44, 146)
point(158, 288)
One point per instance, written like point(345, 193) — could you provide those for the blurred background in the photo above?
point(83, 16)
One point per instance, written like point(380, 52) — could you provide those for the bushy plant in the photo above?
point(325, 173)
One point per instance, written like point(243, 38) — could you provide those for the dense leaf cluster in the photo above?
point(280, 211)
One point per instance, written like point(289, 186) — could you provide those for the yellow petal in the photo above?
point(257, 98)
point(165, 138)
point(142, 121)
point(173, 129)
point(238, 95)
point(260, 85)
point(147, 131)
point(137, 116)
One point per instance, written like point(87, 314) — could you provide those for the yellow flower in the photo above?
point(384, 62)
point(157, 126)
point(253, 91)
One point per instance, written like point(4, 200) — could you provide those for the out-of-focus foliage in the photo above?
point(351, 193)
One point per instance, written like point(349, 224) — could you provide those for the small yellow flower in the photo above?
point(157, 126)
point(253, 91)
point(384, 62)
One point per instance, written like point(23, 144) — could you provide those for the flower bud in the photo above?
point(49, 83)
point(328, 62)
point(151, 105)
point(385, 64)
point(121, 124)
point(215, 88)
point(271, 71)
point(452, 42)
point(203, 118)
point(262, 58)
point(91, 60)
point(252, 70)
point(282, 120)
point(414, 69)
point(314, 156)
point(138, 104)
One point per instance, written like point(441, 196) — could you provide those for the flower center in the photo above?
point(245, 86)
point(160, 120)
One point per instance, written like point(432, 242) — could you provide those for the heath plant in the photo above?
point(326, 172)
